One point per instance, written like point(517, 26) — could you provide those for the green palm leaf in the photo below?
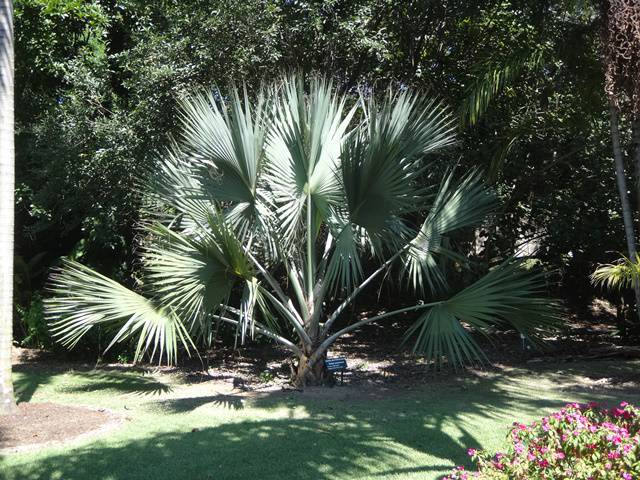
point(84, 299)
point(624, 273)
point(228, 140)
point(508, 296)
point(455, 206)
point(381, 171)
point(381, 168)
point(494, 78)
point(303, 150)
point(191, 276)
point(177, 183)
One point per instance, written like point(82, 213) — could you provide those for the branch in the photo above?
point(297, 324)
point(327, 343)
point(355, 293)
point(283, 341)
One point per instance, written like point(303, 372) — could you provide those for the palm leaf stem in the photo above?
point(266, 332)
point(297, 325)
point(332, 318)
point(329, 340)
point(274, 284)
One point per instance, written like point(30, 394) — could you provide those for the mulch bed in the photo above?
point(37, 424)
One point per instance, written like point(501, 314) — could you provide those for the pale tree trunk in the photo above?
point(7, 400)
point(627, 218)
point(636, 159)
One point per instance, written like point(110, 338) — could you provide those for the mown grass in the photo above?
point(174, 430)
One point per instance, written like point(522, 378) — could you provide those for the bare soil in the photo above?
point(37, 424)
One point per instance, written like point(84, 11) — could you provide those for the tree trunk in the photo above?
point(624, 197)
point(7, 400)
point(310, 374)
point(636, 160)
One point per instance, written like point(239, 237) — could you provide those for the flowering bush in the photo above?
point(578, 442)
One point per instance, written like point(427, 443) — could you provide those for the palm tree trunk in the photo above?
point(7, 400)
point(624, 197)
point(310, 371)
point(636, 160)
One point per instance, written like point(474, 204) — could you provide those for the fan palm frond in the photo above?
point(226, 138)
point(381, 166)
point(455, 206)
point(303, 150)
point(508, 295)
point(192, 276)
point(84, 299)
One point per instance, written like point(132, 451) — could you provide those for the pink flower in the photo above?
point(626, 476)
point(471, 452)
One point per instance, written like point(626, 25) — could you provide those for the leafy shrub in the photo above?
point(33, 324)
point(578, 442)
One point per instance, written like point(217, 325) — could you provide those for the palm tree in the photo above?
point(621, 44)
point(7, 400)
point(262, 214)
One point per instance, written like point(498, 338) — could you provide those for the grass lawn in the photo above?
point(176, 430)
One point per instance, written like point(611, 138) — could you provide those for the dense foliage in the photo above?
point(99, 84)
point(578, 442)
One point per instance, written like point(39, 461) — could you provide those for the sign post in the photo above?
point(338, 364)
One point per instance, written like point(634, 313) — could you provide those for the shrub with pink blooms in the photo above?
point(581, 441)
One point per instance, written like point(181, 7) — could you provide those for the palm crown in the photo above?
point(262, 214)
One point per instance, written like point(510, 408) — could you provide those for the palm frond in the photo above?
point(303, 150)
point(191, 276)
point(508, 295)
point(494, 78)
point(624, 273)
point(344, 269)
point(382, 166)
point(380, 173)
point(228, 140)
point(84, 299)
point(177, 184)
point(455, 206)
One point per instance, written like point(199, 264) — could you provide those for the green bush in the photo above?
point(33, 324)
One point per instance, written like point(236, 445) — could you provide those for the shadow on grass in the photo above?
point(181, 405)
point(421, 434)
point(302, 437)
point(325, 447)
point(27, 382)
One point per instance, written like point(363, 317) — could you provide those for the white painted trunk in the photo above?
point(7, 401)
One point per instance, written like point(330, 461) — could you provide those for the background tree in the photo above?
point(99, 83)
point(622, 85)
